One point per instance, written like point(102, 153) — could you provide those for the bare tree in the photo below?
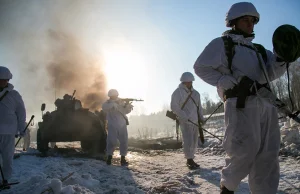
point(287, 87)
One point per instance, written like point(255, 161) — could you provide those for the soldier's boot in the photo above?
point(108, 161)
point(224, 190)
point(123, 161)
point(197, 165)
point(191, 164)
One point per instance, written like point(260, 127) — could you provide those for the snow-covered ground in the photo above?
point(290, 139)
point(148, 172)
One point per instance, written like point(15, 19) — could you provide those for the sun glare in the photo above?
point(126, 72)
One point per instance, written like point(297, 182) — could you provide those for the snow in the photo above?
point(160, 171)
point(290, 139)
point(290, 135)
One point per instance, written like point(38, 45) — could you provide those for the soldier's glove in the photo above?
point(227, 82)
point(19, 135)
point(130, 106)
point(22, 134)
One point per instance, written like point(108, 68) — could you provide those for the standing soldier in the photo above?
point(12, 121)
point(234, 64)
point(117, 122)
point(26, 139)
point(186, 104)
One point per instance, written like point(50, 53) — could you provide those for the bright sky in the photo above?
point(148, 44)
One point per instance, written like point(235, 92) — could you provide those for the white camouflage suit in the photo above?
point(26, 139)
point(190, 131)
point(116, 125)
point(12, 122)
point(252, 136)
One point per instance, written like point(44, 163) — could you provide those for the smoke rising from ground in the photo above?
point(71, 69)
point(46, 46)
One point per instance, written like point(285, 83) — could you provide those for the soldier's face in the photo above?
point(3, 83)
point(188, 84)
point(114, 97)
point(246, 24)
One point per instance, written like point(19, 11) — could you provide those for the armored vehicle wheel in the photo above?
point(86, 145)
point(42, 145)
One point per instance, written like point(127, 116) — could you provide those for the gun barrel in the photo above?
point(130, 99)
point(138, 100)
point(73, 94)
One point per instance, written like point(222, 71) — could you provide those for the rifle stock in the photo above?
point(171, 115)
point(200, 131)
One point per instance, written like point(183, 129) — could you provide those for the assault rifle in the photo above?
point(173, 116)
point(130, 100)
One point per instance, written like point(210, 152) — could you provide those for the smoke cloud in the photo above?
point(71, 69)
point(46, 45)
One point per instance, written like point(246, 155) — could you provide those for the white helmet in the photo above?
point(241, 9)
point(5, 73)
point(187, 77)
point(113, 92)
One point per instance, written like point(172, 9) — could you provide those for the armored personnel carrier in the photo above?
point(70, 122)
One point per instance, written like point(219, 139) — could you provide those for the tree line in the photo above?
point(287, 87)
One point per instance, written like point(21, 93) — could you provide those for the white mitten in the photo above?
point(227, 82)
